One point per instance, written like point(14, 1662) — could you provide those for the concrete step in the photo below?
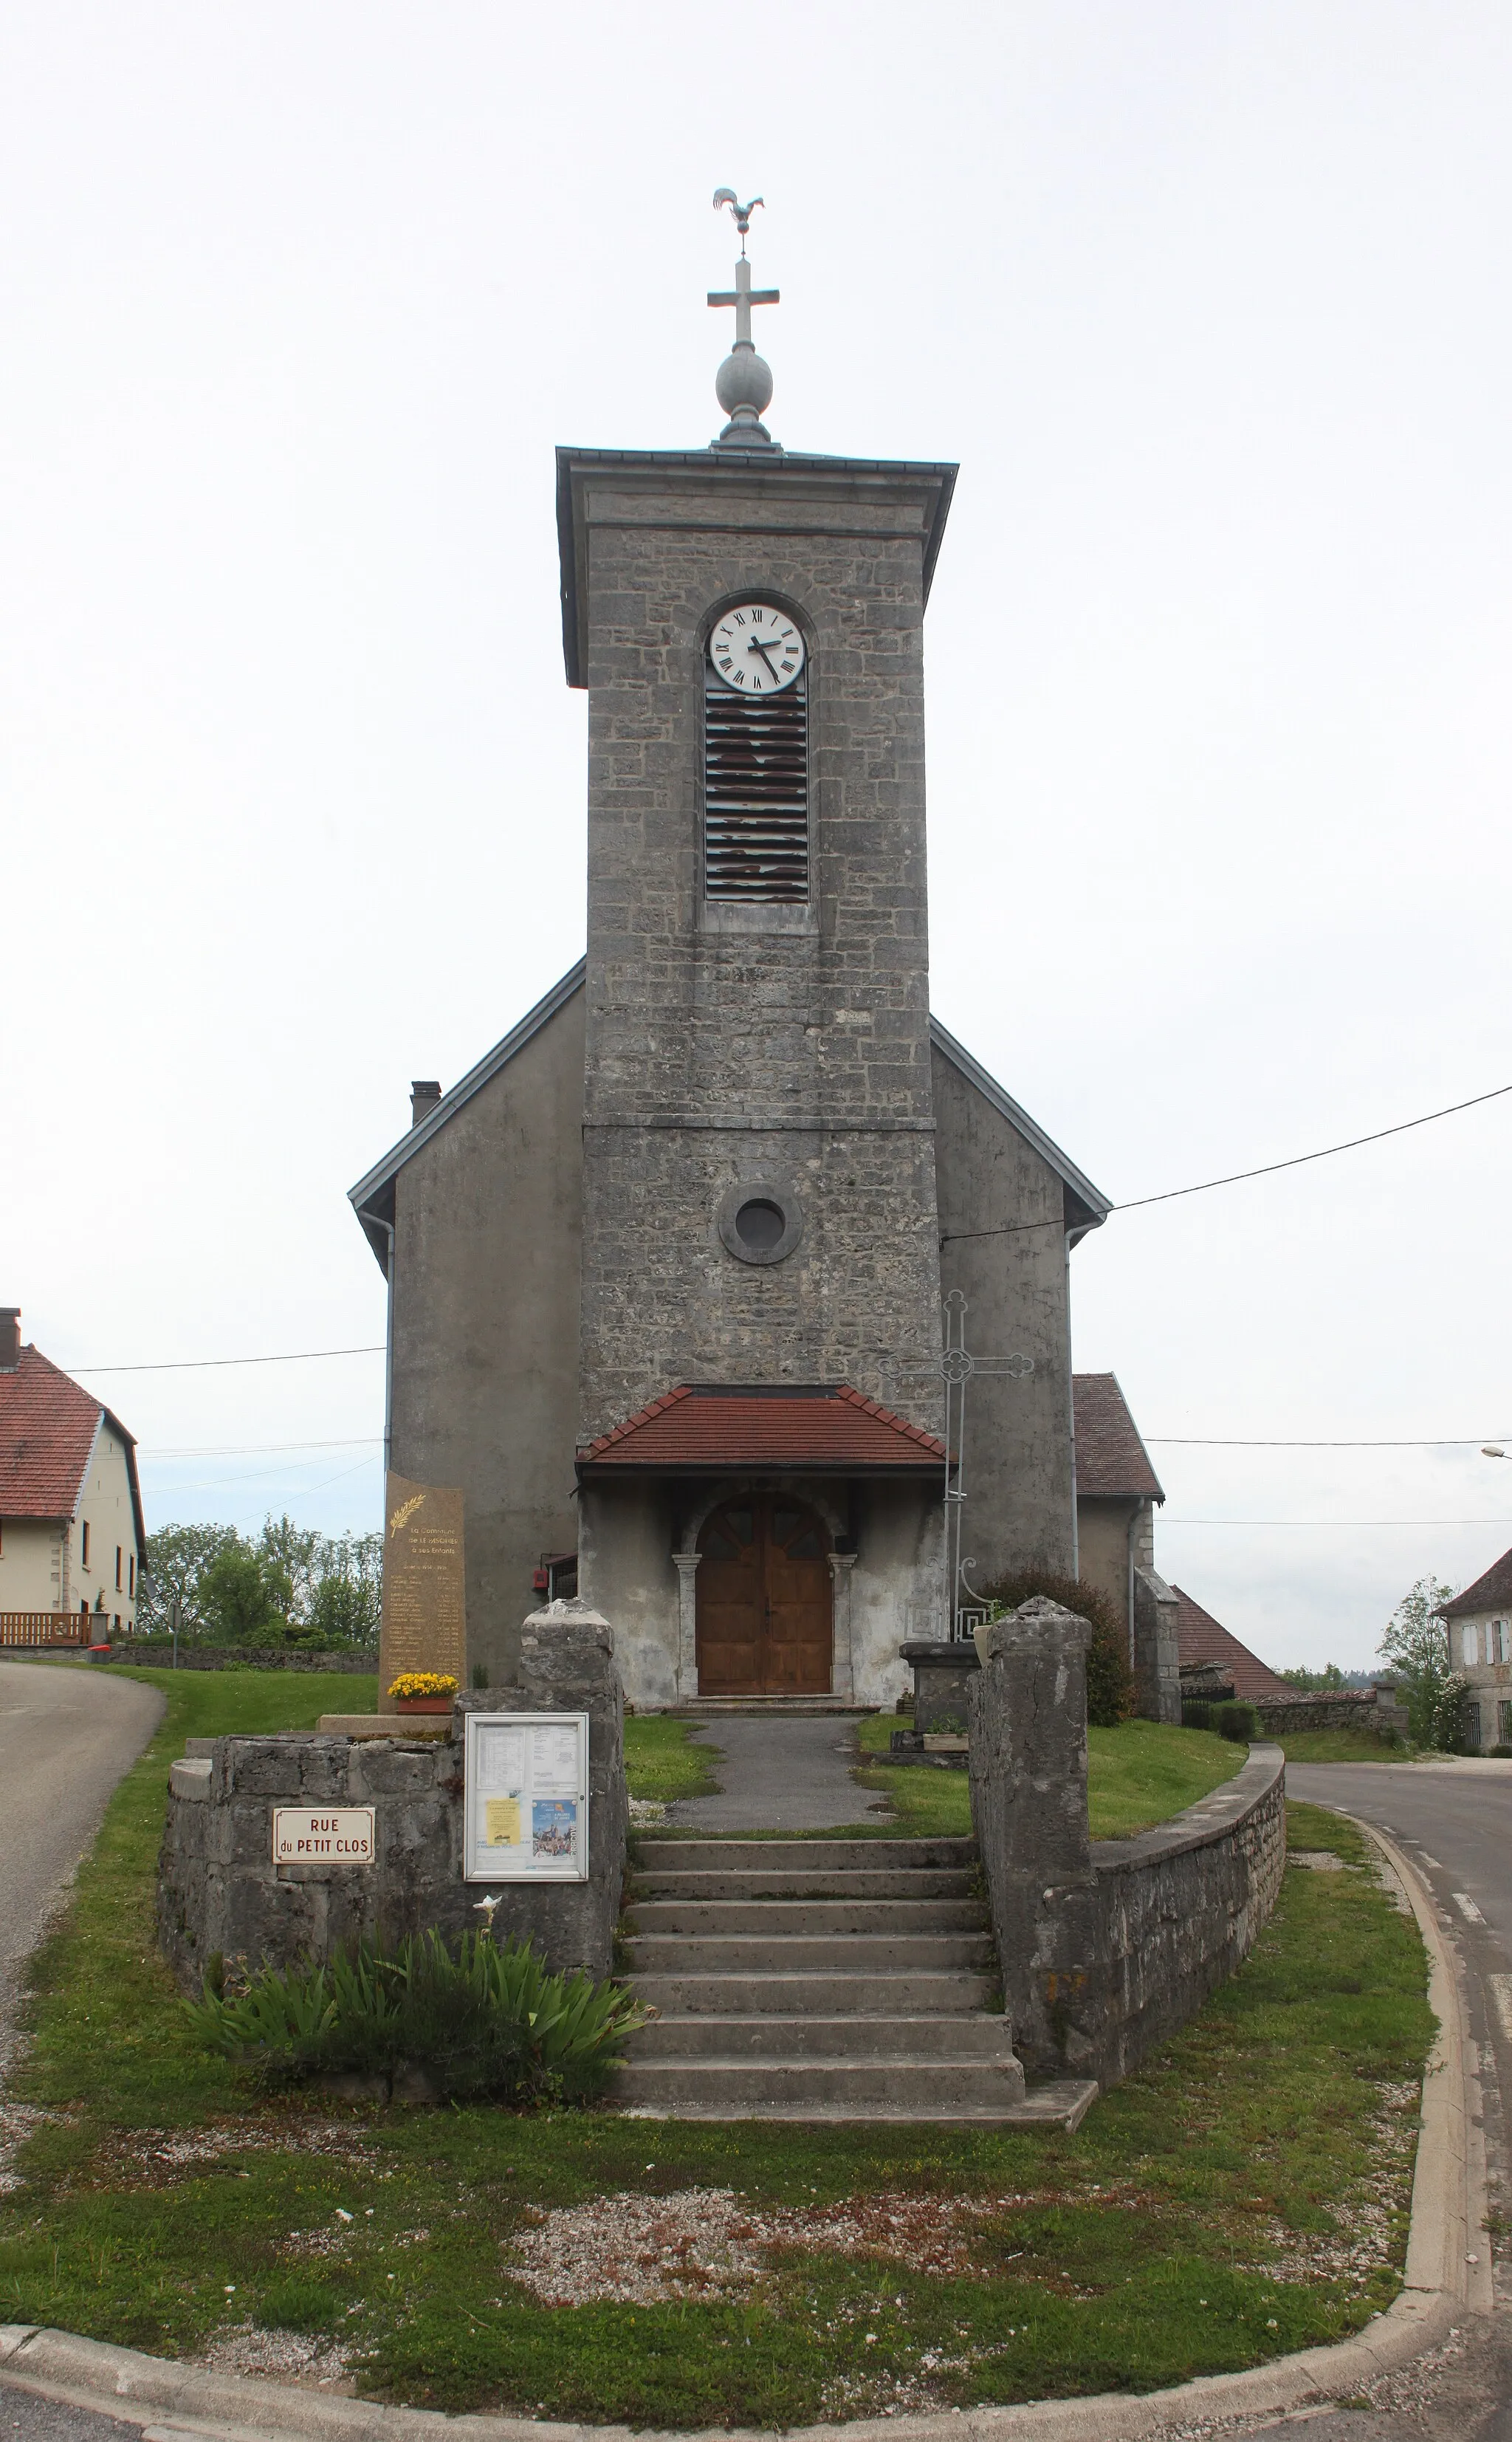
point(906, 1882)
point(807, 1856)
point(909, 2086)
point(796, 1954)
point(685, 1993)
point(976, 2035)
point(784, 1708)
point(1061, 2105)
point(811, 1917)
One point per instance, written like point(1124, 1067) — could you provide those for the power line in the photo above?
point(1207, 1440)
point(1336, 1522)
point(196, 1364)
point(1233, 1178)
point(261, 1450)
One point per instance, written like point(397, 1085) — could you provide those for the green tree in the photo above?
point(245, 1598)
point(176, 1561)
point(348, 1594)
point(294, 1552)
point(1416, 1642)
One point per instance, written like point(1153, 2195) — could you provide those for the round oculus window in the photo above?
point(759, 1221)
point(759, 1224)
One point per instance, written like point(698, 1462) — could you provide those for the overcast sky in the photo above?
point(1212, 304)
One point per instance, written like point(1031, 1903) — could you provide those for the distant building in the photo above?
point(1117, 1490)
point(1205, 1644)
point(1480, 1626)
point(71, 1533)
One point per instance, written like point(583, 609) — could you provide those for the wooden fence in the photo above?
point(34, 1628)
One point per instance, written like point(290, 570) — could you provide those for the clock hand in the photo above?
point(759, 645)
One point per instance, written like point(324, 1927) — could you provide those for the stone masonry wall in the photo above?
point(742, 1045)
point(1106, 1947)
point(1344, 1708)
point(219, 1890)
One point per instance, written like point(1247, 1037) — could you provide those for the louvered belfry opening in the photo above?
point(755, 793)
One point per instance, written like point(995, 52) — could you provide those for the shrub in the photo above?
point(1110, 1680)
point(1237, 1721)
point(485, 2020)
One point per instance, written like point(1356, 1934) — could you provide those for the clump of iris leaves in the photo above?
point(483, 2021)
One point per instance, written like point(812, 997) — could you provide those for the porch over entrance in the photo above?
point(772, 1541)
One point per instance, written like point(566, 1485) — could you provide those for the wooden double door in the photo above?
point(765, 1607)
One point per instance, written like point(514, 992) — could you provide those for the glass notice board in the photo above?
point(525, 1807)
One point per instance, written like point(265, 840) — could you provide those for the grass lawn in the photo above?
point(662, 1762)
point(1139, 1774)
point(1245, 2194)
point(1340, 1746)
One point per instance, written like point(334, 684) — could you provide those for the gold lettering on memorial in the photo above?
point(424, 1612)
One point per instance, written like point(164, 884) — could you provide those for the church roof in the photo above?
point(781, 473)
point(1489, 1592)
point(1087, 1207)
point(1202, 1639)
point(1095, 1206)
point(49, 1424)
point(813, 1428)
point(1112, 1463)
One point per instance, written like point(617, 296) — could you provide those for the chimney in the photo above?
point(9, 1338)
point(425, 1093)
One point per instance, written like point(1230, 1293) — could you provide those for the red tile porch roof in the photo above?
point(1111, 1460)
point(714, 1428)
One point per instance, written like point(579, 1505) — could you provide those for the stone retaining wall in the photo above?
point(157, 1653)
point(219, 1890)
point(1106, 1947)
point(1339, 1708)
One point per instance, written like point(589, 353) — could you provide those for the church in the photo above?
point(729, 1287)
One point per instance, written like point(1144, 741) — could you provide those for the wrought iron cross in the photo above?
point(956, 1365)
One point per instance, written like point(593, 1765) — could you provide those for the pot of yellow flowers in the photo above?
point(423, 1691)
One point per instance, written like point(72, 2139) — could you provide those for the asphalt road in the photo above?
point(66, 1736)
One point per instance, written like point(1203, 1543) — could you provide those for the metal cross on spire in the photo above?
point(743, 383)
point(956, 1365)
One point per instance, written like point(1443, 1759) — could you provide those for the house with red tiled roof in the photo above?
point(1480, 1627)
point(71, 1533)
point(1206, 1644)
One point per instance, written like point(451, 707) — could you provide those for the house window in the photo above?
point(118, 1568)
point(1470, 1648)
point(84, 1546)
point(756, 794)
point(131, 1574)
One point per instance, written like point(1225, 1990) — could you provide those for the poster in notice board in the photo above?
point(525, 1807)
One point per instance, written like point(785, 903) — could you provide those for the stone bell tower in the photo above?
point(759, 1167)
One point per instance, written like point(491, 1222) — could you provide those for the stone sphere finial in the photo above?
point(744, 387)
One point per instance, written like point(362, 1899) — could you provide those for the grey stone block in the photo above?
point(219, 1890)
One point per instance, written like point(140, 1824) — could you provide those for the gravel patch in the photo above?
point(280, 2357)
point(702, 2242)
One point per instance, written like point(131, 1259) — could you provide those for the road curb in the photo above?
point(1442, 2289)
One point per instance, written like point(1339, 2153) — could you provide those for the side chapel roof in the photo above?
point(48, 1428)
point(372, 1197)
point(1203, 1639)
point(1489, 1592)
point(1112, 1463)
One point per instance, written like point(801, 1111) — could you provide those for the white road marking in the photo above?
point(1430, 1861)
point(1500, 1991)
point(1467, 1907)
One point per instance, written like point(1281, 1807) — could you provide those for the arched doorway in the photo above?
point(765, 1608)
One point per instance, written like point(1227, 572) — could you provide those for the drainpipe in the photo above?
point(1133, 1520)
point(387, 1364)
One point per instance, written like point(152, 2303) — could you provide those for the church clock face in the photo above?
point(756, 649)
